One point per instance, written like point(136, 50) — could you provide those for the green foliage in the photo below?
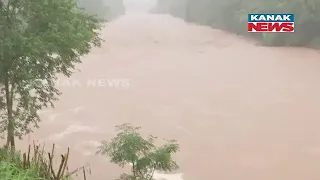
point(33, 166)
point(38, 41)
point(232, 16)
point(129, 147)
point(10, 171)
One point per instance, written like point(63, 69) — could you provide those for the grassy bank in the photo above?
point(127, 147)
point(35, 164)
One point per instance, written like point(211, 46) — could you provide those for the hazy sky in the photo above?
point(139, 5)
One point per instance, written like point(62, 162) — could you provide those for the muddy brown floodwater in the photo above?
point(239, 111)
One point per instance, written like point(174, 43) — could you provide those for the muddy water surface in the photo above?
point(239, 111)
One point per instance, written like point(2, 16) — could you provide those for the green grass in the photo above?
point(11, 171)
point(34, 165)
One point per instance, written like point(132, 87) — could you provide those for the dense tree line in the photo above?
point(231, 16)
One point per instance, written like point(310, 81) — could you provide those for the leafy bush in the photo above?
point(129, 147)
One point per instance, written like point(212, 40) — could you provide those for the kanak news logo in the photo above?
point(271, 23)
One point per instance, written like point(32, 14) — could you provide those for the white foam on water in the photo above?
point(73, 129)
point(184, 129)
point(162, 176)
point(88, 148)
point(53, 117)
point(165, 176)
point(43, 111)
point(77, 109)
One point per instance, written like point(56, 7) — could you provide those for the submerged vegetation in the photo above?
point(232, 16)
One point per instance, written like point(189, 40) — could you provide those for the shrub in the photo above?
point(129, 147)
point(36, 165)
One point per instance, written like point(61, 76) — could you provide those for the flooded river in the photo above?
point(239, 111)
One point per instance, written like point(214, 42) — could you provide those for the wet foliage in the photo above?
point(231, 16)
point(130, 147)
point(36, 164)
point(39, 41)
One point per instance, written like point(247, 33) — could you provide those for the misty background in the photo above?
point(229, 15)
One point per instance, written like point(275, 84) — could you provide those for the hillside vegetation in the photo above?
point(231, 16)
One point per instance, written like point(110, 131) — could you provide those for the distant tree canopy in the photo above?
point(104, 9)
point(231, 15)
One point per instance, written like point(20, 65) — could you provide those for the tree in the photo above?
point(129, 147)
point(38, 41)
